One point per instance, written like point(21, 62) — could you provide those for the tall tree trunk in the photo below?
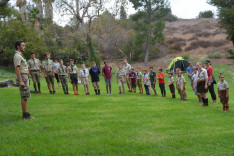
point(39, 7)
point(149, 10)
point(48, 9)
point(22, 10)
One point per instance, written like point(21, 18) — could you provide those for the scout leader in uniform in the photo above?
point(73, 75)
point(48, 69)
point(34, 66)
point(21, 70)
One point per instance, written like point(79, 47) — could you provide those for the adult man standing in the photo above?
point(48, 69)
point(21, 70)
point(190, 73)
point(34, 66)
point(127, 68)
point(209, 69)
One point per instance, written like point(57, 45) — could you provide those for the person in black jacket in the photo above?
point(94, 73)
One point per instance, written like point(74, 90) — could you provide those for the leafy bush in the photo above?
point(185, 56)
point(215, 55)
point(230, 53)
point(206, 14)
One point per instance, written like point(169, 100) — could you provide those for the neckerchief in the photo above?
point(94, 69)
point(62, 69)
point(72, 67)
point(84, 72)
point(47, 62)
point(34, 62)
point(23, 56)
point(199, 72)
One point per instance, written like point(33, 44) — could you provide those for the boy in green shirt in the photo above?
point(152, 76)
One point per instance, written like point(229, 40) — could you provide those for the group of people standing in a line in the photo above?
point(200, 79)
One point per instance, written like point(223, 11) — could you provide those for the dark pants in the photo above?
point(64, 83)
point(162, 88)
point(147, 89)
point(212, 91)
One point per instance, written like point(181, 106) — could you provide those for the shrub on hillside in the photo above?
point(176, 43)
point(185, 56)
point(230, 53)
point(206, 14)
point(215, 55)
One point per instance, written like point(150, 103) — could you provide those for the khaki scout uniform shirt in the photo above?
point(62, 70)
point(223, 85)
point(72, 69)
point(171, 79)
point(180, 82)
point(120, 73)
point(20, 60)
point(127, 68)
point(202, 75)
point(34, 64)
point(48, 65)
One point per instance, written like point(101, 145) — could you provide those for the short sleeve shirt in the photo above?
point(181, 81)
point(171, 79)
point(223, 85)
point(62, 70)
point(127, 67)
point(146, 79)
point(194, 78)
point(19, 60)
point(190, 70)
point(152, 75)
point(120, 73)
point(84, 73)
point(48, 65)
point(160, 81)
point(133, 75)
point(210, 73)
point(94, 72)
point(202, 75)
point(107, 72)
point(56, 67)
point(34, 64)
point(138, 75)
point(72, 69)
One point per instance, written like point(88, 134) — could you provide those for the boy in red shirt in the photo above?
point(107, 74)
point(161, 82)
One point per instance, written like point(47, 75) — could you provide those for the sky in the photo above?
point(185, 9)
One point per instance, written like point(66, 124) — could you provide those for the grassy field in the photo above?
point(129, 124)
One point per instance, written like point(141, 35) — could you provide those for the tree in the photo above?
point(226, 16)
point(206, 14)
point(146, 9)
point(3, 3)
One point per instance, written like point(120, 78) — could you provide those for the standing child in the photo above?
point(223, 89)
point(94, 72)
point(171, 84)
point(194, 82)
point(146, 81)
point(48, 69)
point(56, 67)
point(132, 77)
point(73, 76)
point(152, 76)
point(107, 74)
point(139, 79)
point(161, 82)
point(62, 74)
point(177, 76)
point(85, 78)
point(181, 82)
point(121, 78)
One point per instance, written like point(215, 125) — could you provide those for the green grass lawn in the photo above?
point(129, 124)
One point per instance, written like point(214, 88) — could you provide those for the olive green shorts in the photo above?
point(50, 77)
point(35, 76)
point(24, 90)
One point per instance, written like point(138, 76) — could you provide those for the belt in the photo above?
point(24, 74)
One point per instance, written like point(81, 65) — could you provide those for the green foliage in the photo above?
point(206, 14)
point(186, 56)
point(226, 16)
point(123, 13)
point(215, 55)
point(230, 53)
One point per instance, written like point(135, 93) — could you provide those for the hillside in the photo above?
point(198, 38)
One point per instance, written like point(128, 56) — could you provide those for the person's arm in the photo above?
point(210, 77)
point(193, 84)
point(44, 73)
point(18, 74)
point(29, 72)
point(78, 74)
point(124, 78)
point(184, 85)
point(218, 92)
point(103, 73)
point(89, 77)
point(154, 79)
point(206, 81)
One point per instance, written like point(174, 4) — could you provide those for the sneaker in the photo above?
point(54, 92)
point(51, 92)
point(156, 95)
point(120, 92)
point(39, 92)
point(184, 99)
point(27, 116)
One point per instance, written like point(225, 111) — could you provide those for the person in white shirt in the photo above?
point(127, 67)
point(85, 78)
point(56, 67)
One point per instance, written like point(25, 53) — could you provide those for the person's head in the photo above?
point(145, 70)
point(120, 67)
point(132, 69)
point(160, 69)
point(221, 77)
point(33, 55)
point(55, 60)
point(20, 46)
point(199, 65)
point(170, 73)
point(71, 62)
point(47, 56)
point(137, 69)
point(178, 70)
point(106, 63)
point(180, 73)
point(83, 66)
point(207, 63)
point(94, 64)
point(125, 61)
point(61, 62)
point(194, 69)
point(190, 64)
point(151, 69)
